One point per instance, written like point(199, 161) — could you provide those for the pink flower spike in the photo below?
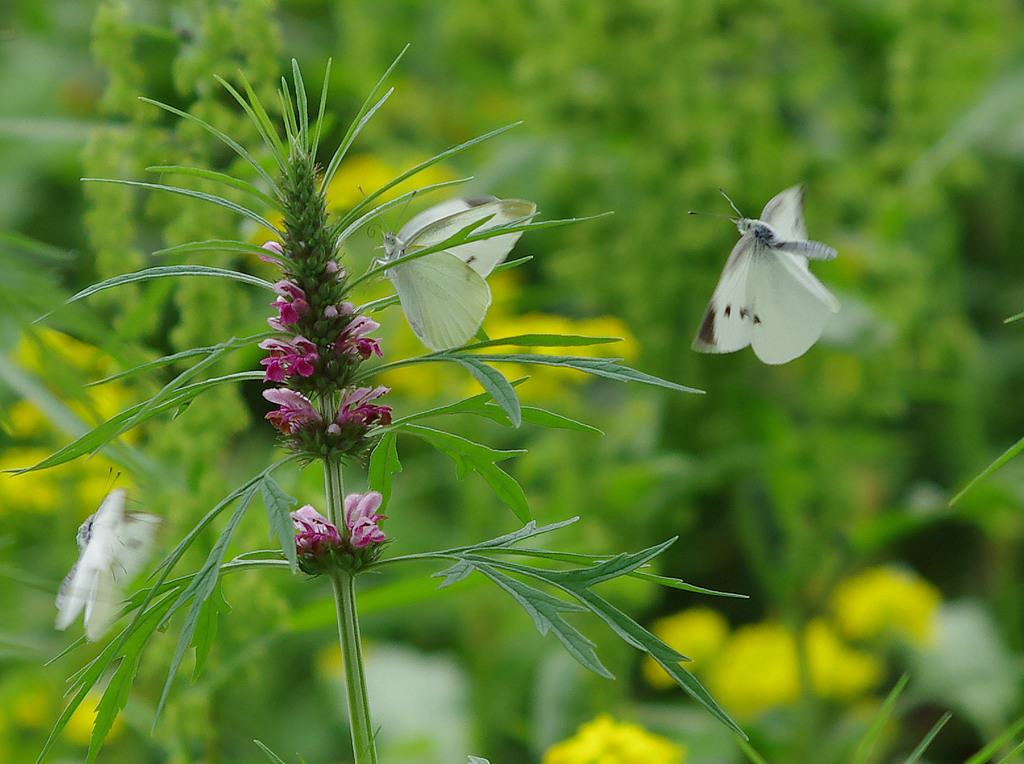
point(362, 519)
point(354, 340)
point(295, 356)
point(314, 531)
point(295, 410)
point(292, 309)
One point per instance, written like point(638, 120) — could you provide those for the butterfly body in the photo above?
point(767, 296)
point(113, 547)
point(445, 295)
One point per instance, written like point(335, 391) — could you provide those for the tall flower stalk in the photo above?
point(321, 364)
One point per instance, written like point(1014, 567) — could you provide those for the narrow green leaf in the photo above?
point(1012, 755)
point(322, 110)
point(170, 271)
point(220, 177)
point(366, 111)
point(104, 433)
point(494, 382)
point(274, 758)
point(543, 341)
point(918, 752)
point(989, 750)
point(233, 344)
point(213, 199)
point(223, 138)
point(613, 567)
point(378, 211)
point(301, 104)
point(748, 749)
point(279, 505)
point(199, 590)
point(860, 756)
point(1008, 454)
point(215, 245)
point(384, 464)
point(468, 456)
point(599, 367)
point(259, 117)
point(1013, 318)
point(358, 210)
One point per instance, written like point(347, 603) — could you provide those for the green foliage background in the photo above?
point(904, 119)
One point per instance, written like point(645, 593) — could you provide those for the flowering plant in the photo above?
point(321, 363)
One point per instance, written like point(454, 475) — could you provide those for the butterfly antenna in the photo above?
point(722, 192)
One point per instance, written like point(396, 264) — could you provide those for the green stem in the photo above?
point(344, 587)
point(355, 681)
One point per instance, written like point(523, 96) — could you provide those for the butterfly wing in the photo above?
point(116, 546)
point(727, 323)
point(482, 256)
point(789, 305)
point(443, 298)
point(785, 213)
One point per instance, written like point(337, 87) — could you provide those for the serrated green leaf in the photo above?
point(613, 567)
point(494, 382)
point(544, 418)
point(475, 404)
point(453, 573)
point(1008, 454)
point(384, 464)
point(206, 628)
point(546, 610)
point(469, 456)
point(279, 504)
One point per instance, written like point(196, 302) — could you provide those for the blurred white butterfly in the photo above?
point(113, 546)
point(767, 296)
point(444, 295)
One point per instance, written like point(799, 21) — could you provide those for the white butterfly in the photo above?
point(113, 546)
point(767, 296)
point(444, 295)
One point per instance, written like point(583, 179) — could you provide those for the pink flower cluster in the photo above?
point(320, 546)
point(295, 411)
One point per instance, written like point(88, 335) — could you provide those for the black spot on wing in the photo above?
point(476, 201)
point(728, 310)
point(470, 259)
point(707, 328)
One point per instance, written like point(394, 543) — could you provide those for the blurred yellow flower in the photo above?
point(756, 670)
point(605, 741)
point(886, 600)
point(32, 491)
point(79, 728)
point(33, 708)
point(838, 671)
point(26, 421)
point(697, 632)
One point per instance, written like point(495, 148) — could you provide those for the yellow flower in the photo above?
point(26, 421)
point(605, 741)
point(837, 671)
point(886, 600)
point(756, 670)
point(698, 633)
